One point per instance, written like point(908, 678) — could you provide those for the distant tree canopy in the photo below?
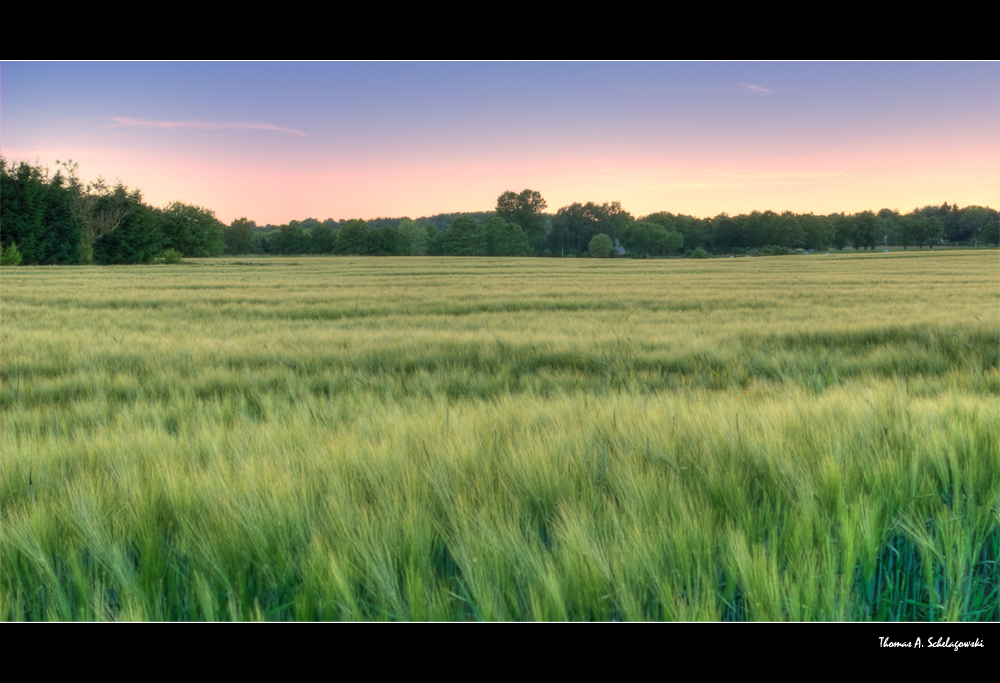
point(652, 237)
point(192, 230)
point(574, 226)
point(60, 220)
point(525, 210)
point(239, 236)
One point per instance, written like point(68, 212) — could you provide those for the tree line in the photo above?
point(59, 219)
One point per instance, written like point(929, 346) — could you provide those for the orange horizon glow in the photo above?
point(416, 140)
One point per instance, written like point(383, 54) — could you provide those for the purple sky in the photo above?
point(279, 141)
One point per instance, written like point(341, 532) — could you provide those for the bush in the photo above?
point(10, 256)
point(171, 256)
point(601, 246)
point(699, 253)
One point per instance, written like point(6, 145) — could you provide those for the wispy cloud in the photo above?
point(739, 87)
point(755, 89)
point(207, 125)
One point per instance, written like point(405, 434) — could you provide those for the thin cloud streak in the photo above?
point(756, 89)
point(207, 125)
point(740, 87)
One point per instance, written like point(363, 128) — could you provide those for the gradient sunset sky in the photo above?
point(288, 140)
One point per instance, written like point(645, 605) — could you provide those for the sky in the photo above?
point(277, 141)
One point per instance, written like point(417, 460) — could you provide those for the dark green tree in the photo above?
point(788, 231)
point(354, 238)
point(464, 237)
point(868, 230)
point(22, 209)
point(575, 225)
point(239, 237)
point(100, 208)
point(903, 231)
point(817, 231)
point(323, 239)
point(652, 238)
point(727, 233)
point(525, 209)
point(991, 233)
point(290, 240)
point(930, 231)
point(695, 231)
point(504, 238)
point(62, 236)
point(843, 230)
point(383, 240)
point(192, 230)
point(137, 239)
point(971, 222)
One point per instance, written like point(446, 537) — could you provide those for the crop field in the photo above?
point(797, 438)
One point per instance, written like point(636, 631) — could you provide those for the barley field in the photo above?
point(804, 438)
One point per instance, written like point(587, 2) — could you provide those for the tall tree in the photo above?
point(239, 237)
point(525, 209)
point(61, 237)
point(868, 230)
point(137, 239)
point(930, 231)
point(100, 208)
point(22, 209)
point(843, 230)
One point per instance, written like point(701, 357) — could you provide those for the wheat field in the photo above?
point(803, 438)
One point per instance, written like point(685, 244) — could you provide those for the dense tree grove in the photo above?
point(58, 219)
